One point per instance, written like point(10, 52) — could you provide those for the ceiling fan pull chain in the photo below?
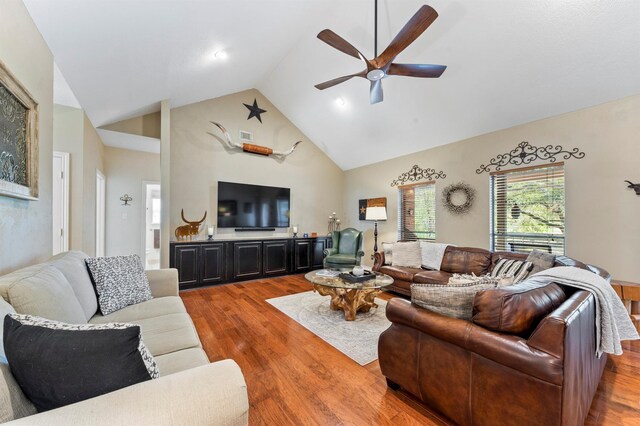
point(375, 30)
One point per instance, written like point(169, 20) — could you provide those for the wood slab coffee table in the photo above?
point(349, 297)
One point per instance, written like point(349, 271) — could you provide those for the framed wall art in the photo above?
point(18, 139)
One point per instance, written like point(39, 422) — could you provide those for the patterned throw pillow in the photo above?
point(472, 278)
point(120, 281)
point(407, 254)
point(452, 300)
point(519, 269)
point(79, 361)
point(541, 261)
point(387, 248)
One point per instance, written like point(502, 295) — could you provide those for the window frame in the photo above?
point(401, 210)
point(492, 212)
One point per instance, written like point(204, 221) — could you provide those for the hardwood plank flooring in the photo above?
point(294, 377)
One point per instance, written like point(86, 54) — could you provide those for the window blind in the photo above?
point(528, 209)
point(417, 211)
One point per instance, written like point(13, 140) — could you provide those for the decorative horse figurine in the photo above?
point(255, 149)
point(634, 186)
point(190, 229)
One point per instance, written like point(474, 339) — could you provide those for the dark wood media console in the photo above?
point(201, 263)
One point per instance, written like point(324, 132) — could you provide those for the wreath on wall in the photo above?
point(458, 189)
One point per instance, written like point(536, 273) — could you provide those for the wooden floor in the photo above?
point(294, 377)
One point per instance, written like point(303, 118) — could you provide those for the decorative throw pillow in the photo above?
point(407, 254)
point(452, 300)
point(519, 269)
point(458, 279)
point(5, 309)
point(541, 261)
point(387, 248)
point(120, 281)
point(57, 364)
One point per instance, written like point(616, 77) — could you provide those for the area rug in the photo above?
point(356, 339)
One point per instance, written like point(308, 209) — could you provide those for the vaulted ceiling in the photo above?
point(509, 62)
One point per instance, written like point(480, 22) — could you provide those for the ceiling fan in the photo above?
point(382, 65)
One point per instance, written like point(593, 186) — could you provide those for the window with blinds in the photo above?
point(417, 211)
point(527, 209)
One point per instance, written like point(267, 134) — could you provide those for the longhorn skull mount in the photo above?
point(190, 229)
point(255, 149)
point(634, 186)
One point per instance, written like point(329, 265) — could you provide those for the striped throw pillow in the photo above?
point(519, 269)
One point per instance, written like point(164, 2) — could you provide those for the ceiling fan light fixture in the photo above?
point(375, 75)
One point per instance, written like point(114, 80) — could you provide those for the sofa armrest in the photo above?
point(163, 282)
point(505, 349)
point(378, 260)
point(213, 394)
point(330, 251)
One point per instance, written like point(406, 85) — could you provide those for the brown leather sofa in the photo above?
point(527, 357)
point(458, 260)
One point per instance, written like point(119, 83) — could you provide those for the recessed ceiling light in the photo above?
point(220, 54)
point(341, 102)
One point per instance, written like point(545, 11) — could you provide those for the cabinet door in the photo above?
point(318, 252)
point(302, 255)
point(275, 255)
point(213, 262)
point(186, 261)
point(247, 260)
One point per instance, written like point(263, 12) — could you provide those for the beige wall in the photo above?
point(25, 226)
point(74, 133)
point(145, 125)
point(601, 213)
point(199, 160)
point(93, 156)
point(68, 136)
point(126, 171)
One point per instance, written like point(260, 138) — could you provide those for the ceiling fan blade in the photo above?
point(417, 70)
point(334, 40)
point(338, 80)
point(375, 94)
point(408, 34)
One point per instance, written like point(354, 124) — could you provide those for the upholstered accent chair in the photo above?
point(346, 251)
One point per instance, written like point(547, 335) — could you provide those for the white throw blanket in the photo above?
point(432, 254)
point(612, 319)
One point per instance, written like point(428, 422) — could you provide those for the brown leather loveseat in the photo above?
point(527, 357)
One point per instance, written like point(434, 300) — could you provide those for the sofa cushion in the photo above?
point(73, 267)
point(341, 259)
point(407, 254)
point(43, 291)
point(167, 333)
point(452, 300)
point(81, 361)
point(150, 309)
point(175, 362)
point(541, 261)
point(13, 403)
point(518, 269)
point(120, 281)
point(516, 309)
point(402, 274)
point(5, 309)
point(432, 277)
point(466, 260)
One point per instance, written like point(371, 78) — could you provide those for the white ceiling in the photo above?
point(509, 62)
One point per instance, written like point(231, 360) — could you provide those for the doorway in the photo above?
point(151, 230)
point(60, 202)
point(100, 213)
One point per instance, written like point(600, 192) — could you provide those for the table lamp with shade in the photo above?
point(376, 214)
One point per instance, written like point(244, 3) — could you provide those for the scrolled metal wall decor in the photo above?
point(460, 187)
point(416, 173)
point(525, 153)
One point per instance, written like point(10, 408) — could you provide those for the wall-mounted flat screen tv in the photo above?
point(242, 205)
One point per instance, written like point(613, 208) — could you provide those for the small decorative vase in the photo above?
point(358, 271)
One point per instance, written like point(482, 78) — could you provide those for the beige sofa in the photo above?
point(190, 390)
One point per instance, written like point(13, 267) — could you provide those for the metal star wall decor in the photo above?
point(526, 153)
point(416, 173)
point(255, 110)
